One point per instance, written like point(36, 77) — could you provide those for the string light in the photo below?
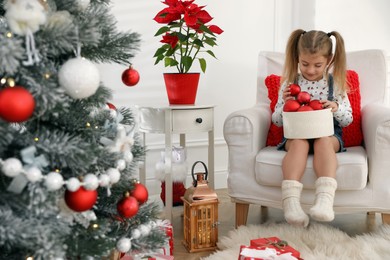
point(3, 81)
point(46, 75)
point(36, 139)
point(11, 82)
point(95, 226)
point(29, 258)
point(8, 34)
point(88, 124)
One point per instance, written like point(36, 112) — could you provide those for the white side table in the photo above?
point(177, 119)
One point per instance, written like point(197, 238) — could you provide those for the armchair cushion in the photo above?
point(352, 134)
point(351, 172)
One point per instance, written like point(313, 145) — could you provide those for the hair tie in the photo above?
point(329, 34)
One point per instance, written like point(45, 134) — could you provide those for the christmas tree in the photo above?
point(68, 157)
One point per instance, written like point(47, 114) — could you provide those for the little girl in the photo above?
point(309, 57)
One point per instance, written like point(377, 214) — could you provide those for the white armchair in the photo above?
point(363, 174)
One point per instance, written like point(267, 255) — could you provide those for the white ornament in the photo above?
point(83, 4)
point(136, 233)
point(121, 164)
point(73, 184)
point(91, 182)
point(114, 174)
point(104, 180)
point(128, 156)
point(25, 16)
point(123, 245)
point(33, 174)
point(54, 181)
point(79, 77)
point(12, 167)
point(60, 18)
point(145, 229)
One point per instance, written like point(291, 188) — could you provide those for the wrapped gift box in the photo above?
point(151, 257)
point(167, 227)
point(276, 243)
point(263, 253)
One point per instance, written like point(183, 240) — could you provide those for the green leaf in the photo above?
point(160, 51)
point(182, 37)
point(162, 30)
point(205, 29)
point(198, 42)
point(203, 64)
point(169, 62)
point(187, 62)
point(211, 53)
point(210, 41)
point(158, 59)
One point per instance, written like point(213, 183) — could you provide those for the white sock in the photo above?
point(293, 212)
point(322, 209)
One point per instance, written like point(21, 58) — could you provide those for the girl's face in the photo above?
point(312, 66)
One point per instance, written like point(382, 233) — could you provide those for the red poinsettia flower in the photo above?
point(170, 39)
point(167, 15)
point(186, 26)
point(215, 29)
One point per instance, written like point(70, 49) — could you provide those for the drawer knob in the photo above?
point(199, 120)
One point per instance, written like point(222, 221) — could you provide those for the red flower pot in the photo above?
point(181, 87)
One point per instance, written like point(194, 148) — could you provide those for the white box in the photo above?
point(308, 124)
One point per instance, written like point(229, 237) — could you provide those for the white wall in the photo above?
point(229, 82)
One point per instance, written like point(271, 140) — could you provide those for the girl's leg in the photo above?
point(325, 165)
point(293, 166)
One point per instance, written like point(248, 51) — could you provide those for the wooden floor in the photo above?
point(351, 224)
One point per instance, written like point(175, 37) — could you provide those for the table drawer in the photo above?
point(192, 120)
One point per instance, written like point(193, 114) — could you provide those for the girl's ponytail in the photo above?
point(339, 62)
point(290, 70)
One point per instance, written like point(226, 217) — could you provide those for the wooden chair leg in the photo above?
point(264, 214)
point(385, 218)
point(241, 214)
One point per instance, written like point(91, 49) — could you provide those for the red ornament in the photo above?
point(295, 89)
point(140, 193)
point(315, 104)
point(16, 104)
point(130, 77)
point(305, 108)
point(111, 106)
point(291, 105)
point(303, 97)
point(128, 206)
point(81, 199)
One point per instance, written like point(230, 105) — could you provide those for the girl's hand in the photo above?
point(330, 104)
point(287, 94)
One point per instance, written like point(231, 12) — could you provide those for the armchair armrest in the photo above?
point(376, 131)
point(245, 132)
point(248, 128)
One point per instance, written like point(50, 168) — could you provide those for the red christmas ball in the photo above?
point(128, 206)
point(140, 193)
point(111, 106)
point(16, 104)
point(130, 77)
point(81, 199)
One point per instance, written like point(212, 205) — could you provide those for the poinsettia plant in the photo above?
point(186, 35)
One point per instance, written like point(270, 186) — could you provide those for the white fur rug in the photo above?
point(316, 242)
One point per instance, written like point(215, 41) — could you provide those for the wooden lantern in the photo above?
point(200, 215)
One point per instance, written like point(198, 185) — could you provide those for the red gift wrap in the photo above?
point(167, 227)
point(276, 243)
